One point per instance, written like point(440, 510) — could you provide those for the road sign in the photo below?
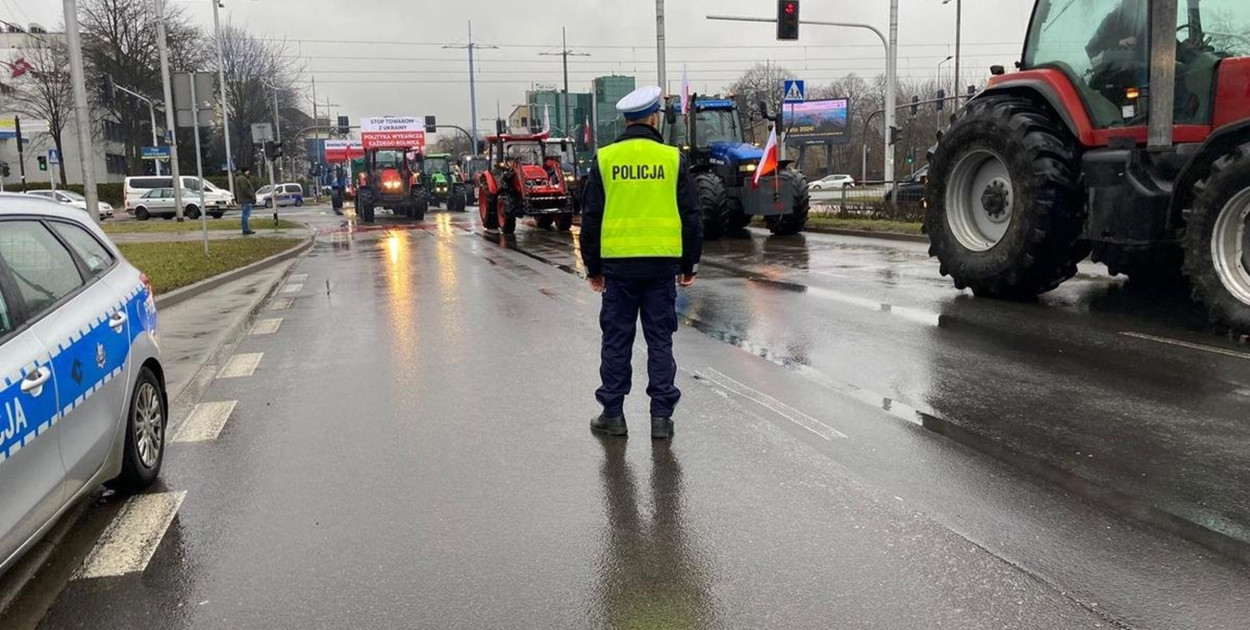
point(795, 91)
point(205, 87)
point(154, 153)
point(54, 156)
point(393, 132)
point(262, 132)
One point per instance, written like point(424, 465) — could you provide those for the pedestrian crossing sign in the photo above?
point(795, 91)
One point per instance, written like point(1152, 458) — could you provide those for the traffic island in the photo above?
point(194, 227)
point(177, 269)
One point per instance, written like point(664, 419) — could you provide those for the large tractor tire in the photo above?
point(1217, 241)
point(713, 204)
point(545, 222)
point(419, 208)
point(564, 222)
point(507, 222)
point(1005, 209)
point(793, 223)
point(486, 211)
point(366, 209)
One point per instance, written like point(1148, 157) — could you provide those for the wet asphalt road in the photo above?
point(859, 445)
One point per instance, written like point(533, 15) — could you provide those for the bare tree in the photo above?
point(762, 82)
point(253, 67)
point(120, 40)
point(45, 92)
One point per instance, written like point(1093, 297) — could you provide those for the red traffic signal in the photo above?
point(788, 20)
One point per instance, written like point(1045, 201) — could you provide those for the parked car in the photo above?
point(74, 199)
point(909, 193)
point(160, 202)
point(216, 200)
point(84, 400)
point(288, 195)
point(832, 182)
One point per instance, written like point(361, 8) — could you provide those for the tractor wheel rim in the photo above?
point(501, 212)
point(1230, 246)
point(980, 200)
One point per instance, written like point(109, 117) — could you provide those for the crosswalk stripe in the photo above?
point(298, 277)
point(205, 422)
point(293, 288)
point(132, 538)
point(266, 326)
point(241, 365)
point(281, 304)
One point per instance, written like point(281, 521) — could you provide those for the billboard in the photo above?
point(8, 128)
point(343, 150)
point(393, 132)
point(817, 121)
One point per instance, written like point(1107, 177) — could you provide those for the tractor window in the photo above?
point(1207, 31)
point(524, 153)
point(1103, 47)
point(711, 126)
point(389, 159)
point(437, 165)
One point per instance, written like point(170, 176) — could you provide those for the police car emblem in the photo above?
point(100, 357)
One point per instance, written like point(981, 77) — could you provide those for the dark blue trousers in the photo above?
point(624, 301)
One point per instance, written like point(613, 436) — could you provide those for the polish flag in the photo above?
point(19, 67)
point(586, 137)
point(685, 91)
point(546, 119)
point(768, 163)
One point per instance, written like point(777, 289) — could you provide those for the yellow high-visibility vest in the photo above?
point(640, 217)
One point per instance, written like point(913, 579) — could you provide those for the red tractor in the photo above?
point(1125, 135)
point(524, 180)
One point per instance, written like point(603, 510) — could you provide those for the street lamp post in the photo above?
point(82, 116)
point(471, 46)
point(939, 72)
point(959, 11)
point(225, 111)
point(151, 115)
point(565, 53)
point(170, 126)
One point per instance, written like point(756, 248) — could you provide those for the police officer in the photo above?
point(641, 237)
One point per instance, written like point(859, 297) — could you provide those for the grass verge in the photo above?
point(172, 265)
point(162, 226)
point(866, 225)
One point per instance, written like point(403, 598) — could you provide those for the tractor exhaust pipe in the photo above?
point(1162, 92)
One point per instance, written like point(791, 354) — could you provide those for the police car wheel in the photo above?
point(299, 202)
point(144, 450)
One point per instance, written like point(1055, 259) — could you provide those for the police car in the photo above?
point(83, 399)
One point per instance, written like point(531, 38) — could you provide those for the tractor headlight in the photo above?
point(568, 177)
point(746, 168)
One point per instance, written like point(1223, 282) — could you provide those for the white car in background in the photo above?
point(74, 199)
point(288, 195)
point(832, 182)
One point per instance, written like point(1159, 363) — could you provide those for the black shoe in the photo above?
point(248, 233)
point(661, 428)
point(609, 425)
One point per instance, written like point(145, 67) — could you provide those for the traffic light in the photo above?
point(43, 162)
point(277, 149)
point(941, 100)
point(269, 150)
point(107, 88)
point(894, 135)
point(788, 20)
point(431, 124)
point(345, 127)
point(915, 105)
point(4, 169)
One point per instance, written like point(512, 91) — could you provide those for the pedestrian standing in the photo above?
point(247, 196)
point(641, 237)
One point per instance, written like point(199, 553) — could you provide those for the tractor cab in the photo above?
point(1125, 137)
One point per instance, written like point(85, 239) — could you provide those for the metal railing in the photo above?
point(903, 201)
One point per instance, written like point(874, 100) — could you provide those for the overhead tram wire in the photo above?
point(629, 47)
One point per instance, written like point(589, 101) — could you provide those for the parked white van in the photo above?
point(216, 200)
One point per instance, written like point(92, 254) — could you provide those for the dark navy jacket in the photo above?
point(593, 201)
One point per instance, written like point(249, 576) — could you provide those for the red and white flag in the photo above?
point(546, 119)
point(768, 163)
point(586, 137)
point(685, 91)
point(19, 67)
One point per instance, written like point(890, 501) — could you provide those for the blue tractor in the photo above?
point(723, 166)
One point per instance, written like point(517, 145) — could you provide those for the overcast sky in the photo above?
point(374, 57)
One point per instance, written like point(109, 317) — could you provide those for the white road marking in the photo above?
point(298, 277)
point(205, 422)
point(132, 538)
point(776, 406)
point(280, 304)
point(241, 365)
point(1186, 344)
point(266, 326)
point(292, 288)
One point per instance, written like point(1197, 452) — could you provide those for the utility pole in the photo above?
point(471, 46)
point(225, 111)
point(660, 46)
point(170, 125)
point(82, 115)
point(566, 53)
point(316, 189)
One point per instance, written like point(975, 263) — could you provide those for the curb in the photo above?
point(208, 284)
point(886, 236)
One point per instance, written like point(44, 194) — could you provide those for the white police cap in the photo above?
point(640, 103)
